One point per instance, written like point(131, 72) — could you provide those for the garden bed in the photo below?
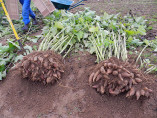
point(72, 95)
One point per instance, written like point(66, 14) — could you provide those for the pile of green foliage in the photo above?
point(105, 36)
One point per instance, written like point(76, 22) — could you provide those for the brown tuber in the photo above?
point(38, 66)
point(114, 77)
point(109, 71)
point(91, 78)
point(95, 75)
point(115, 73)
point(102, 70)
point(138, 80)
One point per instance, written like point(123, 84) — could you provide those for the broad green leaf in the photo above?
point(92, 50)
point(113, 26)
point(80, 35)
point(28, 49)
point(59, 25)
point(106, 32)
point(17, 58)
point(141, 30)
point(137, 42)
point(155, 50)
point(85, 35)
point(130, 32)
point(146, 42)
point(105, 23)
point(4, 73)
point(81, 20)
point(13, 45)
point(34, 40)
point(93, 29)
point(130, 39)
point(2, 68)
point(68, 29)
point(73, 41)
point(98, 18)
point(3, 48)
point(106, 16)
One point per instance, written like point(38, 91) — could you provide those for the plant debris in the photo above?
point(44, 66)
point(114, 77)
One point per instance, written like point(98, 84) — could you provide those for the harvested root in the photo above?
point(114, 77)
point(44, 66)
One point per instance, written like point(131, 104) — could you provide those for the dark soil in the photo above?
point(151, 35)
point(70, 98)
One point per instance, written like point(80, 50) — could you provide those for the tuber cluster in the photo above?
point(114, 77)
point(44, 66)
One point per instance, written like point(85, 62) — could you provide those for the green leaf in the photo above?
point(155, 50)
point(3, 48)
point(13, 45)
point(34, 40)
point(130, 39)
point(85, 35)
point(130, 32)
point(4, 73)
point(2, 68)
point(146, 42)
point(59, 25)
point(93, 29)
point(80, 35)
point(141, 30)
point(73, 41)
point(92, 50)
point(28, 49)
point(35, 47)
point(106, 32)
point(97, 18)
point(137, 42)
point(106, 16)
point(17, 58)
point(81, 20)
point(113, 26)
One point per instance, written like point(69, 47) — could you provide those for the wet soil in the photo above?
point(72, 97)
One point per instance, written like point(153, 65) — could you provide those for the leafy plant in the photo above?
point(150, 68)
point(8, 56)
point(105, 36)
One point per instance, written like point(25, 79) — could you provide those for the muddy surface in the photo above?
point(70, 98)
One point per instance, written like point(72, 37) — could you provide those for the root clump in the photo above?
point(43, 66)
point(114, 77)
